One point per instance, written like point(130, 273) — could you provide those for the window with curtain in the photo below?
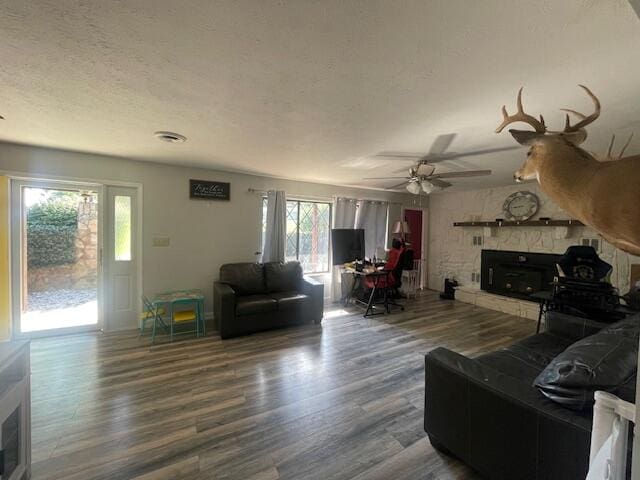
point(308, 232)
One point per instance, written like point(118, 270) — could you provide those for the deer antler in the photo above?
point(625, 146)
point(613, 140)
point(585, 120)
point(520, 116)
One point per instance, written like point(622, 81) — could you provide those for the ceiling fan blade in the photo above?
point(401, 170)
point(438, 158)
point(386, 178)
point(396, 186)
point(484, 152)
point(468, 173)
point(440, 183)
point(407, 156)
point(441, 143)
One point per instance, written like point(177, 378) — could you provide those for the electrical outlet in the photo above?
point(592, 242)
point(478, 239)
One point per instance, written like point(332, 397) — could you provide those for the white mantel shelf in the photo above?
point(521, 223)
point(513, 306)
point(561, 227)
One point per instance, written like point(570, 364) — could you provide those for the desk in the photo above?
point(376, 276)
point(548, 302)
point(167, 299)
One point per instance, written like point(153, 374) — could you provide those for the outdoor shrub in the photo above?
point(51, 233)
point(53, 213)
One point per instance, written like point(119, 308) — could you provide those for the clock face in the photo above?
point(521, 206)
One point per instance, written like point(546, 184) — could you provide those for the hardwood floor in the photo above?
point(338, 401)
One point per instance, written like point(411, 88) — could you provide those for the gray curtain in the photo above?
point(372, 216)
point(344, 212)
point(344, 216)
point(395, 214)
point(276, 232)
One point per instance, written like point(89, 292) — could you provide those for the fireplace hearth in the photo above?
point(517, 274)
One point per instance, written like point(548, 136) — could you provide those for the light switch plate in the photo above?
point(160, 241)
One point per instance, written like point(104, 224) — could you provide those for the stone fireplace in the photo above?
point(517, 274)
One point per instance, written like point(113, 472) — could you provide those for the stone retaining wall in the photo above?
point(84, 272)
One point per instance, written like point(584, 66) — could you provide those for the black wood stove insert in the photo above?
point(517, 274)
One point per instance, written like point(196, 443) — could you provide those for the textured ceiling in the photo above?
point(310, 90)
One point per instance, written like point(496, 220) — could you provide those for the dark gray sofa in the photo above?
point(252, 297)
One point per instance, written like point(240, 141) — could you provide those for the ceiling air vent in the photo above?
point(170, 137)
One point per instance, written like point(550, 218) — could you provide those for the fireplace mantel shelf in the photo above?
point(525, 223)
point(561, 227)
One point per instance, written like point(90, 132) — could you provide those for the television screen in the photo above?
point(347, 245)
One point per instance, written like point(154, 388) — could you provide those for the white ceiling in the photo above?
point(310, 90)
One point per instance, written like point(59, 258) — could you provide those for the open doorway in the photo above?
point(416, 221)
point(55, 257)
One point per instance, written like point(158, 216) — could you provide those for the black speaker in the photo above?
point(449, 290)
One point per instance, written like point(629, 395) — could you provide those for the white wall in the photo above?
point(452, 253)
point(203, 234)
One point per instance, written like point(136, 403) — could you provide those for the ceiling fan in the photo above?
point(421, 175)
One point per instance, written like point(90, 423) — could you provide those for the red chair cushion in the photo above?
point(380, 282)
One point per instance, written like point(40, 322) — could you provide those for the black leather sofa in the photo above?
point(487, 412)
point(251, 297)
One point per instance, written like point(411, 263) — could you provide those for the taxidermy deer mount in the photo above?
point(602, 194)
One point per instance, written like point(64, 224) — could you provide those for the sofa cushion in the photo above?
point(291, 300)
point(571, 327)
point(244, 278)
point(252, 304)
point(524, 360)
point(604, 361)
point(282, 277)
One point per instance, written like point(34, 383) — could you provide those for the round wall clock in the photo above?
point(521, 206)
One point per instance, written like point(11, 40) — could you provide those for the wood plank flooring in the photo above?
point(343, 400)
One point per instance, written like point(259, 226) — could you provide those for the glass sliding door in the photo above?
point(55, 257)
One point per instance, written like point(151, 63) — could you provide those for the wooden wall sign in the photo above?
point(209, 190)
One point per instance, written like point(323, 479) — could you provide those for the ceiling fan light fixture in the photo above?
point(428, 187)
point(425, 169)
point(414, 188)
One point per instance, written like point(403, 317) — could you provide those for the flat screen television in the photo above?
point(347, 244)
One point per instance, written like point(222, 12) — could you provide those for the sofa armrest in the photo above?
point(315, 290)
point(500, 425)
point(224, 305)
point(571, 327)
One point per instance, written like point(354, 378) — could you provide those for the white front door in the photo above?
point(121, 259)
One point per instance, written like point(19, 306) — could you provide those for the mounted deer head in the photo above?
point(603, 195)
point(572, 134)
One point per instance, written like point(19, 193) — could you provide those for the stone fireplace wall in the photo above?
point(453, 254)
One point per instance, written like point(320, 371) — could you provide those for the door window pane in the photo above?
point(122, 227)
point(59, 238)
